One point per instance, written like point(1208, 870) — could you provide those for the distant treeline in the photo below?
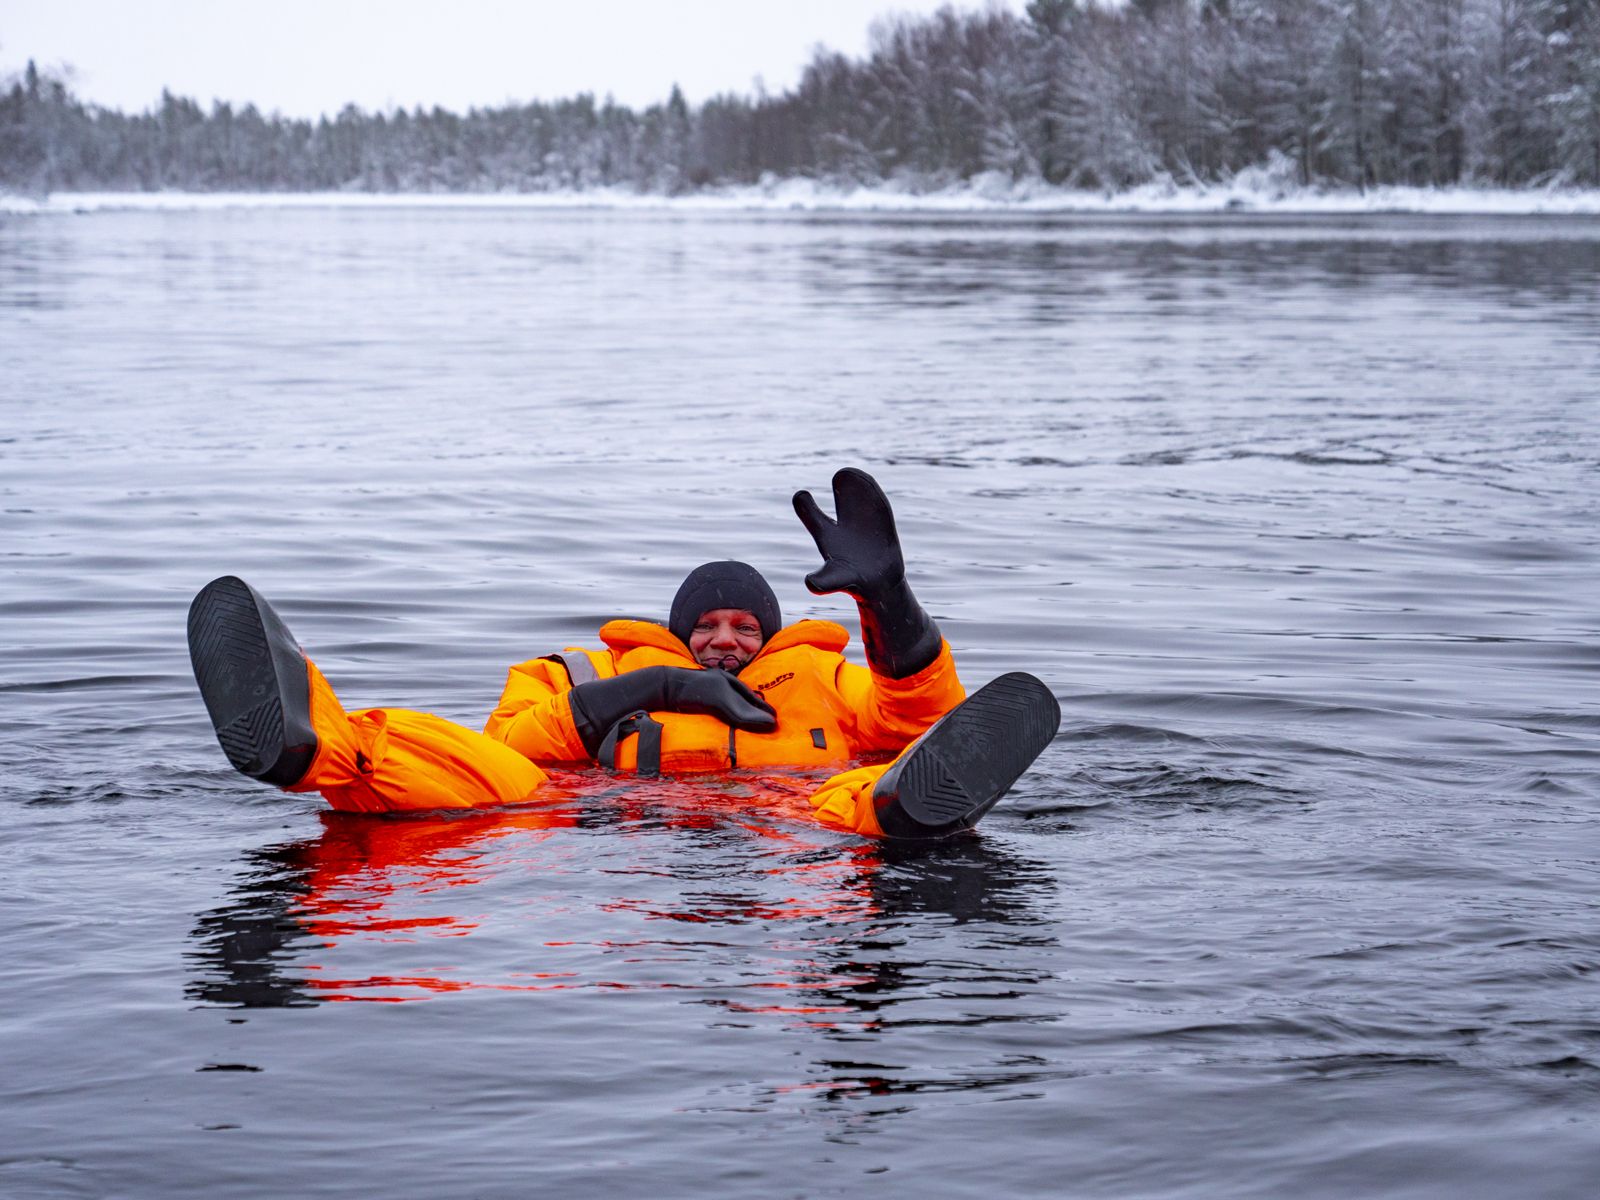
point(1356, 92)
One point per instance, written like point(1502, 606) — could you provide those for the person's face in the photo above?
point(725, 637)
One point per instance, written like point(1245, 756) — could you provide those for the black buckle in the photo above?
point(649, 731)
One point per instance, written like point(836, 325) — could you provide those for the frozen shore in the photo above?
point(1258, 190)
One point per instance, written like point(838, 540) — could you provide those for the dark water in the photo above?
point(1297, 517)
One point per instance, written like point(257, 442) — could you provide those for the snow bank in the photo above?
point(1259, 190)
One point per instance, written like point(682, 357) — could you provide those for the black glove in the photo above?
point(862, 557)
point(600, 704)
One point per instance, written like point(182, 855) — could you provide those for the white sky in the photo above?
point(306, 58)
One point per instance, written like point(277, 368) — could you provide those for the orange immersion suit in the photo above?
point(395, 760)
point(829, 711)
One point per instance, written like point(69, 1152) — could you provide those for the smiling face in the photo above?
point(725, 637)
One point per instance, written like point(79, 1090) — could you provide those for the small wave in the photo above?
point(95, 682)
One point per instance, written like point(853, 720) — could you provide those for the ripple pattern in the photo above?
point(1296, 517)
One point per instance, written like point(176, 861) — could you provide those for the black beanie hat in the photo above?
point(724, 585)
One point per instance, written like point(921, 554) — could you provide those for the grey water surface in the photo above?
point(1297, 516)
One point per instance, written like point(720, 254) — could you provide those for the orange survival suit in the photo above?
point(829, 711)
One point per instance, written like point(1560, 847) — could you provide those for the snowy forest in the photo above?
point(1351, 92)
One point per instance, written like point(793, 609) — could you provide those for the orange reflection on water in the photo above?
point(366, 876)
point(336, 988)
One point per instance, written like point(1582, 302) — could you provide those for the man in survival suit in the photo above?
point(724, 684)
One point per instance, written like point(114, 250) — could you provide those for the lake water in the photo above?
point(1296, 516)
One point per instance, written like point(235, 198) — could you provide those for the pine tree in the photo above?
point(1363, 92)
point(1050, 17)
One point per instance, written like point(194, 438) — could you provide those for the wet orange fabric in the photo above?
point(829, 710)
point(395, 760)
point(845, 801)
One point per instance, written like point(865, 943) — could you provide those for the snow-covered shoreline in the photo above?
point(1250, 192)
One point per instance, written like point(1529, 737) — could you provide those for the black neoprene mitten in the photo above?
point(861, 553)
point(601, 703)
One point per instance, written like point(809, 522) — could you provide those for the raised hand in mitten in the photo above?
point(861, 550)
point(861, 555)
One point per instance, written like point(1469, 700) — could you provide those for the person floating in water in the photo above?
point(723, 684)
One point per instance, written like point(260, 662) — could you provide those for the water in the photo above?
point(1296, 516)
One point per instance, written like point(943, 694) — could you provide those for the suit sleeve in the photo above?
point(892, 713)
point(534, 717)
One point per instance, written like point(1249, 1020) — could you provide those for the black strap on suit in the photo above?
point(649, 731)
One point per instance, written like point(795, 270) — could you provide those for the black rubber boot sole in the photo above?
point(254, 680)
point(969, 758)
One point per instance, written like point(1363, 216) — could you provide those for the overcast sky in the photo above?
point(306, 58)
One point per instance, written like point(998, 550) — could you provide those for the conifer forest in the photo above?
point(1352, 93)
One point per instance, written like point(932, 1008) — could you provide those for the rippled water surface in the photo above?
point(1298, 519)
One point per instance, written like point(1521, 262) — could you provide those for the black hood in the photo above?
point(724, 585)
